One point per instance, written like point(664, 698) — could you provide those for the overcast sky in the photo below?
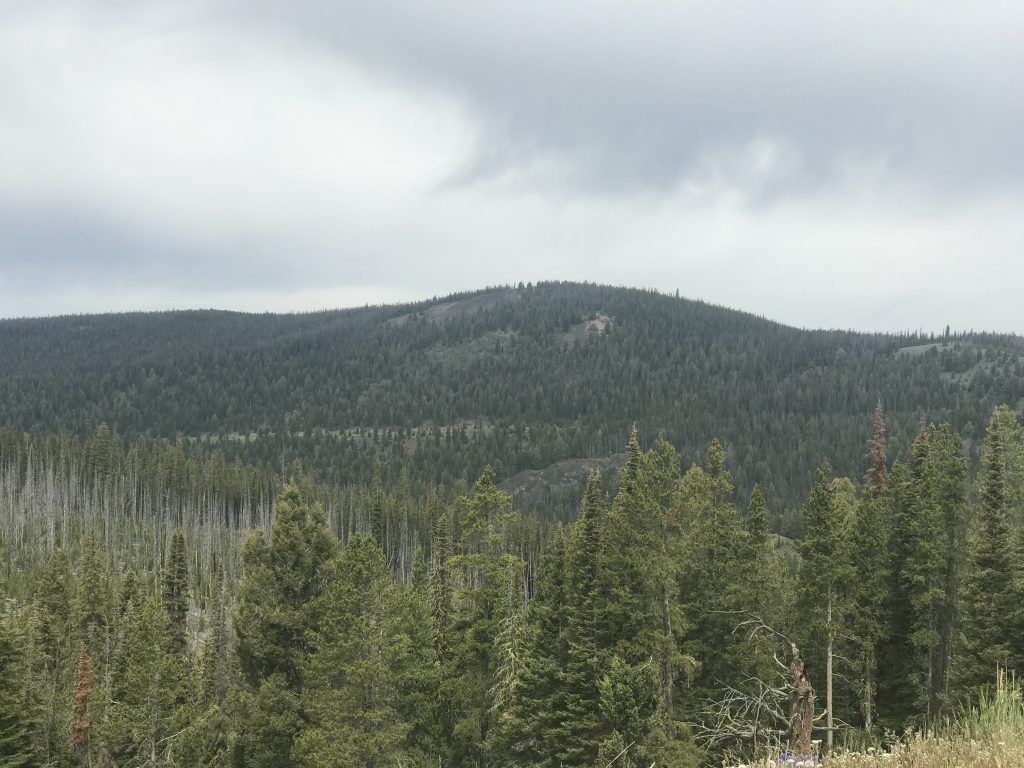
point(856, 164)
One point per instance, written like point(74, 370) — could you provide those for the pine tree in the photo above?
point(277, 596)
point(539, 712)
point(822, 581)
point(350, 697)
point(206, 743)
point(580, 731)
point(936, 529)
point(755, 554)
point(141, 716)
point(507, 681)
point(57, 635)
point(93, 603)
point(895, 693)
point(440, 580)
point(712, 565)
point(175, 593)
point(991, 597)
point(419, 572)
point(378, 515)
point(278, 608)
point(484, 570)
point(870, 561)
point(18, 726)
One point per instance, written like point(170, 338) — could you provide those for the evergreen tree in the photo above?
point(18, 726)
point(895, 697)
point(580, 728)
point(539, 712)
point(277, 596)
point(823, 580)
point(712, 567)
point(141, 718)
point(507, 680)
point(350, 697)
point(756, 558)
point(869, 541)
point(484, 570)
point(175, 593)
point(936, 530)
point(440, 580)
point(991, 599)
point(378, 517)
point(277, 610)
point(868, 590)
point(93, 597)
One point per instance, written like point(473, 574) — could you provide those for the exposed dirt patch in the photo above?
point(595, 326)
point(561, 475)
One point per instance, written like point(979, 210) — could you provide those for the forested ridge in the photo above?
point(517, 378)
point(162, 609)
point(277, 540)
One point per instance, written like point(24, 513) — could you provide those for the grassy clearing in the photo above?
point(988, 735)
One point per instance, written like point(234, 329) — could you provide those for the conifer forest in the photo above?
point(556, 525)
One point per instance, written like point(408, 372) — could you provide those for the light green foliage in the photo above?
point(482, 572)
point(351, 695)
point(142, 716)
point(19, 724)
point(277, 596)
point(278, 608)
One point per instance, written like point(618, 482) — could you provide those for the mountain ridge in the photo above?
point(446, 385)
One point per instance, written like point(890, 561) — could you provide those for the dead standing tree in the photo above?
point(763, 712)
point(801, 706)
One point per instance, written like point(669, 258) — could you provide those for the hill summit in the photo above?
point(518, 377)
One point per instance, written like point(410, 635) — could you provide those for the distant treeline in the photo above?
point(516, 378)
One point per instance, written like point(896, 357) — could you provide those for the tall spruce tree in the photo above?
point(483, 569)
point(540, 710)
point(870, 561)
point(141, 719)
point(938, 488)
point(580, 731)
point(351, 697)
point(440, 579)
point(991, 599)
point(175, 593)
point(19, 727)
point(822, 582)
point(278, 607)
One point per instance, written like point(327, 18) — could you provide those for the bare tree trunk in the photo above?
point(868, 688)
point(801, 707)
point(828, 672)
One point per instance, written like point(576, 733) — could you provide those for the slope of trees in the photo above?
point(379, 626)
point(509, 377)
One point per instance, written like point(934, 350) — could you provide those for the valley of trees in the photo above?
point(514, 378)
point(166, 608)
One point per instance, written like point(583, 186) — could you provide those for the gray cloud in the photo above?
point(824, 164)
point(644, 95)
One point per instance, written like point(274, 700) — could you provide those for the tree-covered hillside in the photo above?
point(157, 610)
point(516, 377)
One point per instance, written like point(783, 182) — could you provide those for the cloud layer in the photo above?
point(851, 165)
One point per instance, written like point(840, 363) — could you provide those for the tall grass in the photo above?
point(988, 734)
